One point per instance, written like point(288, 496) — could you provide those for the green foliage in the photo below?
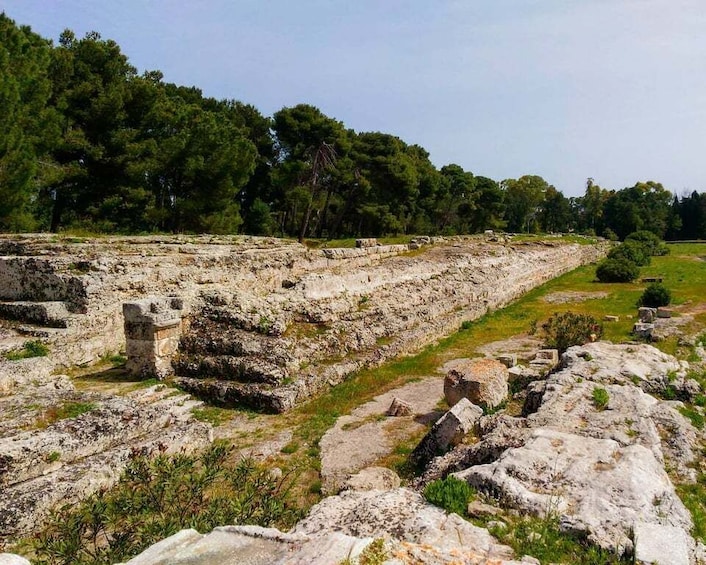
point(214, 415)
point(565, 329)
point(617, 270)
point(631, 251)
point(695, 416)
point(155, 498)
point(694, 498)
point(543, 539)
point(451, 494)
point(33, 348)
point(655, 295)
point(466, 325)
point(600, 398)
point(649, 241)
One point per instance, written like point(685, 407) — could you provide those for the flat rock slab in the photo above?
point(666, 545)
point(356, 441)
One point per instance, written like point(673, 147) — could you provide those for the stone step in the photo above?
point(233, 394)
point(111, 423)
point(52, 314)
point(231, 368)
point(226, 341)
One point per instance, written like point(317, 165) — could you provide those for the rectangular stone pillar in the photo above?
point(153, 328)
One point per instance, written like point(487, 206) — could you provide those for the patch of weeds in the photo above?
point(315, 487)
point(451, 494)
point(155, 498)
point(671, 376)
point(290, 448)
point(694, 498)
point(669, 393)
point(466, 325)
point(116, 359)
point(53, 457)
point(700, 400)
point(542, 538)
point(30, 349)
point(63, 412)
point(374, 554)
point(696, 417)
point(214, 415)
point(564, 329)
point(600, 398)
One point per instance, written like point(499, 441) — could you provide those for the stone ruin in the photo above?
point(153, 328)
point(264, 322)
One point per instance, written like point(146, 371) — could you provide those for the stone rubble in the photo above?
point(482, 381)
point(601, 471)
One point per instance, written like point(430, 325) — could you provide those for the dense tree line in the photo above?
point(88, 143)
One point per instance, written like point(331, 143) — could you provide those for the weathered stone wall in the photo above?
point(274, 319)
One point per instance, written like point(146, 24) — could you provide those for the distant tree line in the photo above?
point(88, 143)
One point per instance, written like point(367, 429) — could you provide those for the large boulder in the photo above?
point(482, 381)
point(593, 485)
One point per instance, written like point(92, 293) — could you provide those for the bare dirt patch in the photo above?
point(564, 297)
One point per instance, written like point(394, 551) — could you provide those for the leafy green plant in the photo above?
point(565, 329)
point(696, 417)
point(631, 251)
point(652, 244)
point(33, 348)
point(655, 295)
point(466, 325)
point(451, 494)
point(617, 270)
point(155, 498)
point(600, 398)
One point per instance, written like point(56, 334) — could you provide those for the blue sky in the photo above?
point(566, 89)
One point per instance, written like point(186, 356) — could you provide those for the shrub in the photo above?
point(614, 270)
point(631, 251)
point(655, 295)
point(451, 494)
point(157, 497)
point(600, 398)
point(565, 329)
point(651, 242)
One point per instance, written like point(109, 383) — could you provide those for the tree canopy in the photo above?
point(89, 143)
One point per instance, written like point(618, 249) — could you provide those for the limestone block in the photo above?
point(482, 381)
point(448, 430)
point(153, 327)
point(646, 315)
point(666, 545)
point(548, 355)
point(611, 318)
point(366, 242)
point(664, 312)
point(508, 359)
point(643, 330)
point(400, 407)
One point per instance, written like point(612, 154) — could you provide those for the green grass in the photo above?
point(541, 538)
point(63, 411)
point(214, 415)
point(30, 349)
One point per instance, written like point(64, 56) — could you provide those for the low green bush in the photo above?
point(155, 498)
point(565, 329)
point(600, 398)
point(451, 494)
point(631, 251)
point(655, 295)
point(650, 241)
point(617, 270)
